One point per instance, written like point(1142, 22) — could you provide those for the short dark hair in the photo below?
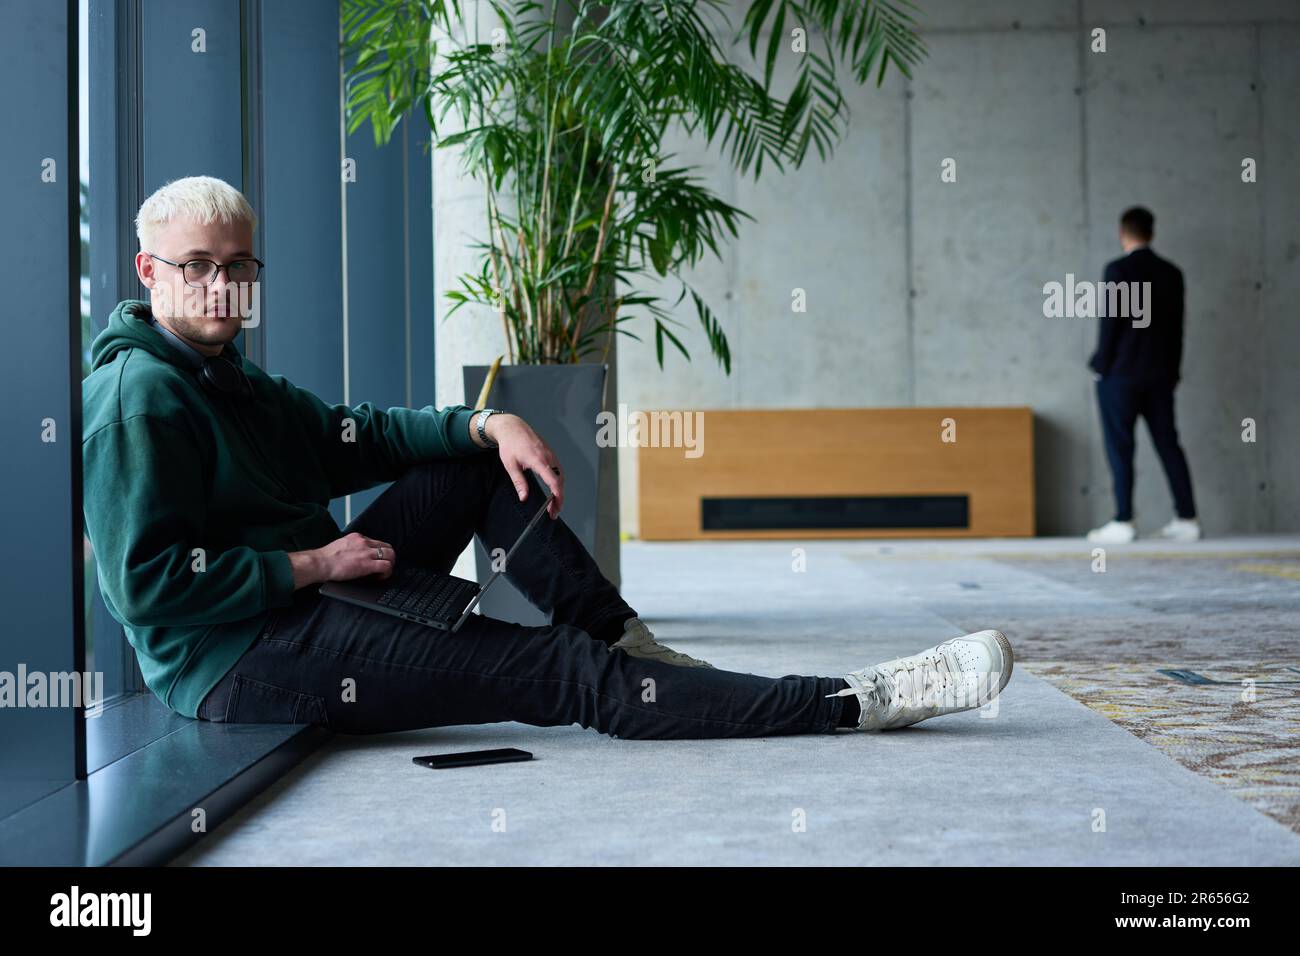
point(1138, 222)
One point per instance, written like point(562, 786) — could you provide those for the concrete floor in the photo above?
point(1093, 756)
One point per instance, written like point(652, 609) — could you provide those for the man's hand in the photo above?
point(520, 448)
point(351, 556)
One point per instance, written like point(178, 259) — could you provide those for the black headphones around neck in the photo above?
point(216, 373)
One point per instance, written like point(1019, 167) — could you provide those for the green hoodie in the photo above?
point(170, 469)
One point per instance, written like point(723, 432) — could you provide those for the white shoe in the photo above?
point(637, 641)
point(960, 674)
point(1182, 529)
point(1113, 532)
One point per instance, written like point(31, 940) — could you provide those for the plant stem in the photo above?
point(501, 303)
point(494, 223)
point(600, 247)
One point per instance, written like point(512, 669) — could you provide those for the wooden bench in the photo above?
point(840, 473)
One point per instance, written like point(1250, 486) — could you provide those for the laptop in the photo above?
point(422, 595)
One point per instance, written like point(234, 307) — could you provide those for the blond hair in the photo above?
point(203, 199)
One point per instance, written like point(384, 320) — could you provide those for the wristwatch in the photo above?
point(481, 421)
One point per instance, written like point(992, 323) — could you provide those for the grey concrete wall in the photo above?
point(926, 293)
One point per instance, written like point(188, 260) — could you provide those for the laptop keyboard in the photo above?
point(425, 593)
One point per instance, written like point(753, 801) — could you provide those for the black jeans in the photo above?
point(1121, 402)
point(359, 671)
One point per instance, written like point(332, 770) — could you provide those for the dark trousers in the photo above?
point(1121, 402)
point(359, 671)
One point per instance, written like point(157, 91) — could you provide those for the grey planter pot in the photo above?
point(560, 403)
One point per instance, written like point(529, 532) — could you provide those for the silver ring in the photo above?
point(379, 553)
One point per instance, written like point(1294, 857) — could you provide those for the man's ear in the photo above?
point(144, 269)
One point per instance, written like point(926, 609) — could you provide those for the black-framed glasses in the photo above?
point(201, 273)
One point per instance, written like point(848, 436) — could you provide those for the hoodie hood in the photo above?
point(129, 328)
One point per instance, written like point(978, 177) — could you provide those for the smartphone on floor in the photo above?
point(472, 758)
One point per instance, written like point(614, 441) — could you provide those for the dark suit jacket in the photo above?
point(1154, 353)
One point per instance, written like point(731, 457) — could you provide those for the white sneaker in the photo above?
point(1113, 532)
point(637, 641)
point(960, 674)
point(1182, 529)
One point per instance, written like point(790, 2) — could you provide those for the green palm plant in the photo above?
point(564, 109)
